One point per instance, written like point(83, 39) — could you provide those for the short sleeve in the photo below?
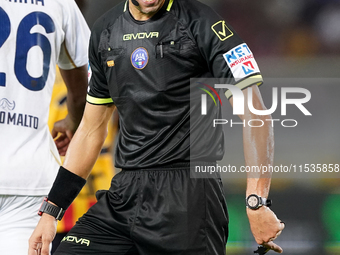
point(74, 50)
point(227, 55)
point(98, 92)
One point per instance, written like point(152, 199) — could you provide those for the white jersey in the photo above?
point(35, 36)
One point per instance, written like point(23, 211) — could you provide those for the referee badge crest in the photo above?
point(139, 58)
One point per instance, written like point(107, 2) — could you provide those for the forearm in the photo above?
point(76, 82)
point(258, 144)
point(259, 151)
point(83, 151)
point(88, 140)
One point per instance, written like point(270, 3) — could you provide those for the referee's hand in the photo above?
point(266, 227)
point(43, 235)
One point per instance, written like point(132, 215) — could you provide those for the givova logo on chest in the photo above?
point(140, 36)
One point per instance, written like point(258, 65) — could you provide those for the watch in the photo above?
point(254, 202)
point(53, 210)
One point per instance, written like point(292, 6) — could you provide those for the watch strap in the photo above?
point(53, 210)
point(265, 201)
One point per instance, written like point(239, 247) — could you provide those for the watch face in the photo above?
point(253, 201)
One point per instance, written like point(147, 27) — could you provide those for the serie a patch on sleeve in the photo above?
point(241, 62)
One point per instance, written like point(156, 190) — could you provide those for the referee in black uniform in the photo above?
point(142, 56)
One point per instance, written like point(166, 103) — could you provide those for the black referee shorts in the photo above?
point(153, 212)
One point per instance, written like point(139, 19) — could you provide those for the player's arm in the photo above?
point(72, 61)
point(80, 158)
point(258, 143)
point(76, 83)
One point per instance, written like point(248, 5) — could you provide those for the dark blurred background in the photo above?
point(296, 43)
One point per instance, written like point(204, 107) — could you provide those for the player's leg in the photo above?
point(180, 215)
point(18, 218)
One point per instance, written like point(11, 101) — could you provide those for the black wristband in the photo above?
point(66, 188)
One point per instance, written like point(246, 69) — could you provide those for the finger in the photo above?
point(62, 141)
point(38, 251)
point(282, 225)
point(31, 251)
point(273, 246)
point(33, 248)
point(69, 134)
point(54, 133)
point(63, 148)
point(278, 233)
point(273, 238)
point(62, 145)
point(62, 152)
point(60, 136)
point(57, 129)
point(45, 249)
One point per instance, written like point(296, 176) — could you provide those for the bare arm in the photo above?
point(88, 140)
point(258, 143)
point(76, 83)
point(80, 158)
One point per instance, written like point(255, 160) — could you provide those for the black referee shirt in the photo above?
point(144, 68)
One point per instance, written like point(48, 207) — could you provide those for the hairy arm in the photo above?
point(258, 143)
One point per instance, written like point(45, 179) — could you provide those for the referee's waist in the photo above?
point(174, 166)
